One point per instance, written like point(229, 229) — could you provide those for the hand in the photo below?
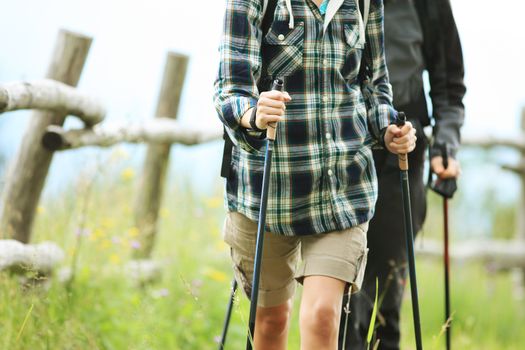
point(452, 171)
point(270, 108)
point(400, 140)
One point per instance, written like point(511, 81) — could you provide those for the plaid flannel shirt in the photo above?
point(323, 177)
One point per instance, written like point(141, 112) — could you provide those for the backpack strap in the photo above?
point(365, 72)
point(269, 7)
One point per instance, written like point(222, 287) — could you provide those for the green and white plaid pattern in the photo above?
point(323, 177)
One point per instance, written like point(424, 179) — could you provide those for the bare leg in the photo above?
point(271, 327)
point(321, 312)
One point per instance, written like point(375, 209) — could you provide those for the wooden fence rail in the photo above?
point(155, 130)
point(53, 96)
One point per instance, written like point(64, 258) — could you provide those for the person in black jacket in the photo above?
point(419, 35)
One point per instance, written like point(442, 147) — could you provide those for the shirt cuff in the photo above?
point(380, 117)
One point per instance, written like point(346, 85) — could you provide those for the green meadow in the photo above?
point(104, 309)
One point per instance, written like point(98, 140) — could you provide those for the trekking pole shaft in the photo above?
point(447, 275)
point(411, 258)
point(407, 211)
point(228, 316)
point(278, 85)
point(260, 241)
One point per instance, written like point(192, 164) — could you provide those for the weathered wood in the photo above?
point(41, 258)
point(512, 141)
point(520, 218)
point(151, 187)
point(28, 172)
point(517, 169)
point(497, 253)
point(155, 130)
point(52, 96)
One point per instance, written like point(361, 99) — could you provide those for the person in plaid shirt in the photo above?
point(323, 186)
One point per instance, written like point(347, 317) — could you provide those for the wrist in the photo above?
point(245, 119)
point(253, 121)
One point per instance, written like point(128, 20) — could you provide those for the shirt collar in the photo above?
point(331, 10)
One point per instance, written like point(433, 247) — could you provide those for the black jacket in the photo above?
point(440, 46)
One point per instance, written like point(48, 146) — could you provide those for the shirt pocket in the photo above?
point(283, 49)
point(353, 51)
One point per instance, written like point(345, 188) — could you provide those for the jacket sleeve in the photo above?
point(380, 111)
point(239, 69)
point(445, 67)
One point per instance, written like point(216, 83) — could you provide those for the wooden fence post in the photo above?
point(152, 182)
point(29, 169)
point(520, 227)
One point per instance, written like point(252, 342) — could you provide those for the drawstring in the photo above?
point(291, 24)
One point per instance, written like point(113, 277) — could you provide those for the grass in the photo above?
point(185, 310)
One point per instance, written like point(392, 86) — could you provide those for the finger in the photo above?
point(406, 128)
point(270, 119)
point(287, 96)
point(399, 149)
point(268, 102)
point(410, 139)
point(270, 111)
point(451, 172)
point(437, 167)
point(275, 95)
point(393, 130)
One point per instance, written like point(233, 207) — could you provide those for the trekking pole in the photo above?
point(446, 188)
point(446, 260)
point(228, 316)
point(270, 139)
point(403, 167)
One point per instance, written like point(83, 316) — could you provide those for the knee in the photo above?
point(273, 321)
point(322, 319)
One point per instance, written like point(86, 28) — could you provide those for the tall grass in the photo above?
point(103, 309)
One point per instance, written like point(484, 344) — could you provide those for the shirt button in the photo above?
point(325, 98)
point(328, 136)
point(330, 172)
point(280, 37)
point(325, 62)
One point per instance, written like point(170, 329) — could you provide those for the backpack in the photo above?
point(269, 7)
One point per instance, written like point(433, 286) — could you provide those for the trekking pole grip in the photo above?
point(403, 158)
point(277, 85)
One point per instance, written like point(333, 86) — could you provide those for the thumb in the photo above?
point(437, 165)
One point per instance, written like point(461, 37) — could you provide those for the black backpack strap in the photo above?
point(365, 70)
point(268, 16)
point(226, 154)
point(228, 143)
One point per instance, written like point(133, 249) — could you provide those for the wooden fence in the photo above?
point(56, 97)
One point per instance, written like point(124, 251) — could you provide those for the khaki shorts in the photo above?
point(338, 254)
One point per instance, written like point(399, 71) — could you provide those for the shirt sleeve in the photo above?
point(380, 111)
point(446, 72)
point(239, 69)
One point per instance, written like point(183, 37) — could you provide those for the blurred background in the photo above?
point(124, 69)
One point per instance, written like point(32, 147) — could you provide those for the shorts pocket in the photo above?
point(243, 271)
point(283, 49)
point(362, 260)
